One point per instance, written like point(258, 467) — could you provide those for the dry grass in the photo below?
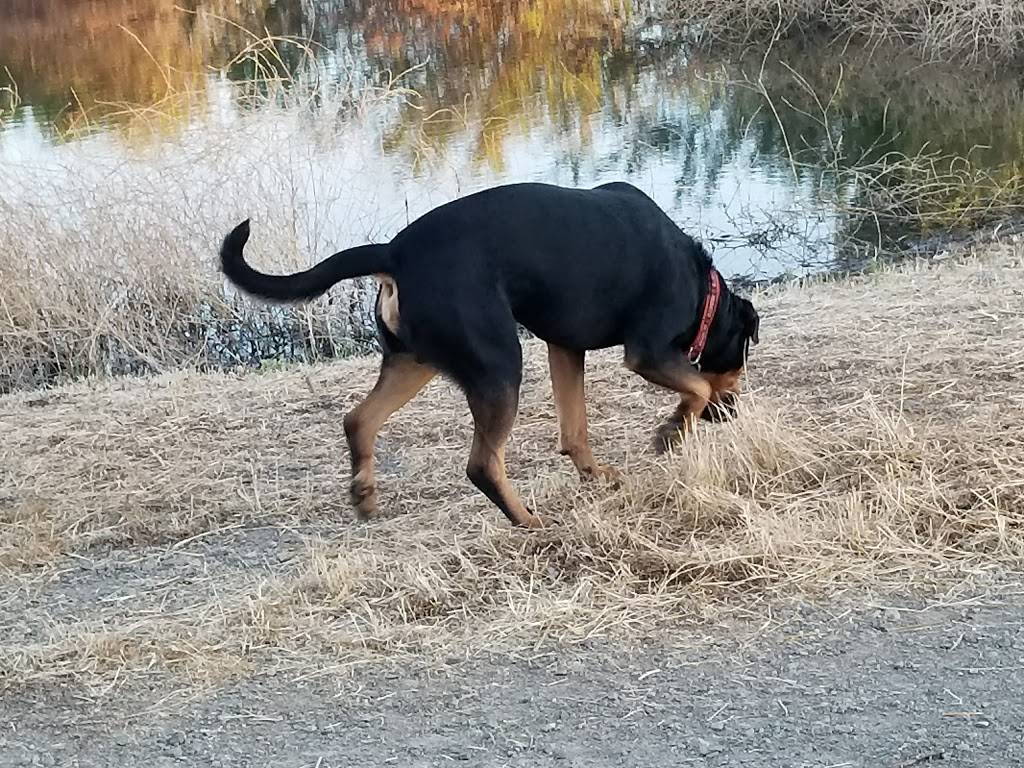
point(197, 523)
point(975, 29)
point(108, 261)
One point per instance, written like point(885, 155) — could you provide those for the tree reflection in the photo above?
point(567, 71)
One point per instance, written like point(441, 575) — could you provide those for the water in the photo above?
point(755, 154)
point(568, 91)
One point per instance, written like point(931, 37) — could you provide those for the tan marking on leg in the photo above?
point(723, 383)
point(566, 368)
point(400, 379)
point(694, 394)
point(486, 467)
point(725, 388)
point(388, 302)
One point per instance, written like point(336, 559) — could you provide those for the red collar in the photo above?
point(707, 317)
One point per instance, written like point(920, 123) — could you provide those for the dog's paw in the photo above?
point(721, 411)
point(363, 495)
point(667, 436)
point(608, 475)
point(602, 473)
point(537, 523)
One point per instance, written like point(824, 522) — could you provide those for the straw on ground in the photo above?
point(198, 524)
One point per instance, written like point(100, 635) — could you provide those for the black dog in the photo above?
point(581, 269)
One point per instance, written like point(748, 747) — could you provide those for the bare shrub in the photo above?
point(974, 29)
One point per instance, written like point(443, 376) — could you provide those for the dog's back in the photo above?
point(572, 264)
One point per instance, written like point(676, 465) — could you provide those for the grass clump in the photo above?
point(109, 260)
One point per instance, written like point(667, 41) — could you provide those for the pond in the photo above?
point(783, 161)
point(567, 91)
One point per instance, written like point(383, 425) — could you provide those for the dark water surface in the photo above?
point(568, 91)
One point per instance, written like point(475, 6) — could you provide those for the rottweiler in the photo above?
point(581, 269)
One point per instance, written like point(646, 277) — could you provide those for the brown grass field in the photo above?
point(197, 524)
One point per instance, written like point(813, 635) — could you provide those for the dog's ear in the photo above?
point(751, 321)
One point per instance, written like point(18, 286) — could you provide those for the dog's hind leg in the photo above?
point(489, 371)
point(469, 335)
point(401, 377)
point(493, 416)
point(570, 403)
point(673, 372)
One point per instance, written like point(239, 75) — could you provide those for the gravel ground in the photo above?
point(882, 686)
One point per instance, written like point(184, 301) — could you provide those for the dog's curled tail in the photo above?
point(300, 286)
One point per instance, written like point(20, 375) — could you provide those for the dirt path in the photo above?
point(887, 687)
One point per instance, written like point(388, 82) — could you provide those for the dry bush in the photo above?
point(974, 29)
point(123, 278)
point(881, 444)
point(108, 264)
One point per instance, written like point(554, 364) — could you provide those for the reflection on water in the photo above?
point(568, 91)
point(67, 57)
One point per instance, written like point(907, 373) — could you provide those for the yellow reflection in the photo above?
point(491, 65)
point(74, 60)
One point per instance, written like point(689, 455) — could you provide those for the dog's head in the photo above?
point(726, 356)
point(737, 325)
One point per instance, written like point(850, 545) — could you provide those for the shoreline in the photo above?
point(921, 254)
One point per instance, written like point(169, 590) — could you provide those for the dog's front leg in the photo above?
point(725, 390)
point(567, 387)
point(674, 373)
point(680, 423)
